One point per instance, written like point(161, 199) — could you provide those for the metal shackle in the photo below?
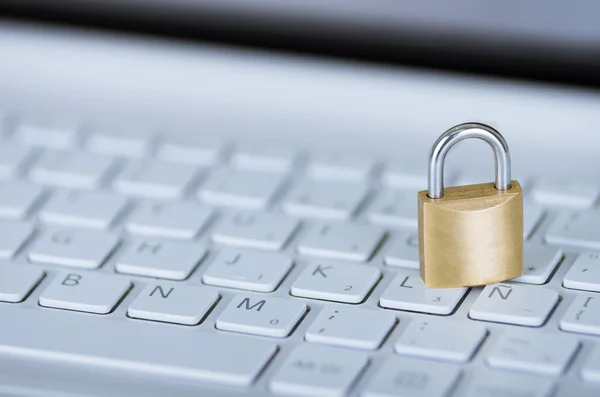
point(456, 134)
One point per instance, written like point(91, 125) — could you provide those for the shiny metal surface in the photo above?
point(461, 132)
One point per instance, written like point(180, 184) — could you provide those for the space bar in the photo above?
point(160, 350)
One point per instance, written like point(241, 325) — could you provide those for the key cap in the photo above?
point(583, 316)
point(173, 303)
point(571, 194)
point(266, 158)
point(408, 377)
point(514, 304)
point(254, 271)
point(539, 262)
point(394, 208)
point(69, 247)
point(97, 210)
point(327, 200)
point(409, 176)
point(340, 166)
point(577, 230)
point(447, 340)
point(255, 230)
point(407, 292)
point(590, 371)
point(584, 274)
point(542, 353)
point(575, 389)
point(350, 327)
point(400, 253)
point(84, 292)
point(532, 215)
point(507, 384)
point(242, 189)
point(218, 358)
point(18, 199)
point(17, 281)
point(258, 315)
point(13, 235)
point(121, 141)
point(161, 259)
point(149, 178)
point(14, 159)
point(339, 282)
point(342, 241)
point(55, 134)
point(72, 169)
point(313, 370)
point(205, 151)
point(181, 220)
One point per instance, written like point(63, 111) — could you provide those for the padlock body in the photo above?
point(471, 236)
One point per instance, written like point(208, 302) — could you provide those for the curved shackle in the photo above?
point(456, 134)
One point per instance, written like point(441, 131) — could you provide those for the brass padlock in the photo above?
point(470, 235)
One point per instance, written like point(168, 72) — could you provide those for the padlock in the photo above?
point(470, 235)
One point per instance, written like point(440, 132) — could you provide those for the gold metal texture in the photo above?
point(471, 236)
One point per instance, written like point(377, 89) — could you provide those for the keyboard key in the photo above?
point(242, 189)
point(407, 377)
point(447, 340)
point(14, 159)
point(18, 199)
point(255, 230)
point(590, 371)
point(173, 303)
point(583, 316)
point(340, 166)
point(258, 315)
point(408, 292)
point(161, 259)
point(120, 141)
point(410, 176)
point(204, 151)
point(400, 253)
point(342, 241)
point(84, 292)
point(394, 208)
point(577, 230)
point(507, 384)
point(532, 215)
point(539, 262)
point(77, 248)
point(327, 200)
point(313, 370)
point(350, 327)
point(584, 273)
point(266, 158)
point(523, 350)
point(13, 235)
point(576, 195)
point(253, 271)
point(148, 178)
point(17, 281)
point(339, 282)
point(181, 220)
point(514, 304)
point(97, 210)
point(53, 134)
point(570, 389)
point(72, 169)
point(220, 358)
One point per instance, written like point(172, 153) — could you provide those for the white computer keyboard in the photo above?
point(203, 265)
